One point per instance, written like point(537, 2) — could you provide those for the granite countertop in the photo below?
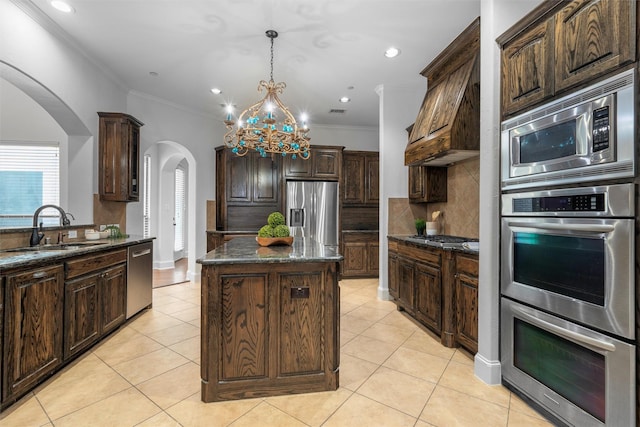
point(470, 248)
point(227, 232)
point(246, 250)
point(12, 259)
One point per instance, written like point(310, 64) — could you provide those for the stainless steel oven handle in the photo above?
point(594, 228)
point(574, 336)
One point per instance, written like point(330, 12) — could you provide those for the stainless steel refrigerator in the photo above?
point(312, 210)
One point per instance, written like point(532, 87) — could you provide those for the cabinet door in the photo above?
point(133, 162)
point(427, 184)
point(301, 344)
point(298, 168)
point(33, 328)
point(112, 298)
point(372, 179)
point(266, 175)
point(466, 288)
point(593, 37)
point(326, 163)
point(428, 296)
point(405, 284)
point(239, 182)
point(527, 68)
point(81, 314)
point(353, 179)
point(393, 275)
point(355, 259)
point(373, 262)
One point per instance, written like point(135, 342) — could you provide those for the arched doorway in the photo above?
point(166, 158)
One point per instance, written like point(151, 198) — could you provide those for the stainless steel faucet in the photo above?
point(36, 236)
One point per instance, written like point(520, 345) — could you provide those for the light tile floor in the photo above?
point(392, 373)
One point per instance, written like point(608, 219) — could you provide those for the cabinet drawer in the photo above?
point(420, 254)
point(86, 264)
point(467, 265)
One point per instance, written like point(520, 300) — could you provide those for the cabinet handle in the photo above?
point(39, 275)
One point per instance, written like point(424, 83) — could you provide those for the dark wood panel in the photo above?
point(248, 218)
point(81, 315)
point(301, 322)
point(33, 328)
point(113, 284)
point(244, 324)
point(86, 264)
point(428, 296)
point(360, 218)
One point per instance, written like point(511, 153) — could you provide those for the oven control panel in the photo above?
point(569, 203)
point(600, 132)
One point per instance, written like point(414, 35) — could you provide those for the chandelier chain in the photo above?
point(271, 58)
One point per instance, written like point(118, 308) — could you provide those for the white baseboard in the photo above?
point(489, 371)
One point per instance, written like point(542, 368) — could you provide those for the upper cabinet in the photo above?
point(564, 45)
point(247, 190)
point(447, 128)
point(324, 164)
point(119, 157)
point(427, 184)
point(360, 178)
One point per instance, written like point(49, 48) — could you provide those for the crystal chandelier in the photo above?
point(258, 127)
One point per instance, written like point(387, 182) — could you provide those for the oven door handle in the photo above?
point(593, 228)
point(594, 343)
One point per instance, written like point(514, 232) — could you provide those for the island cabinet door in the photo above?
point(243, 323)
point(302, 313)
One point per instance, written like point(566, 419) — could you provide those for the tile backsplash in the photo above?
point(459, 214)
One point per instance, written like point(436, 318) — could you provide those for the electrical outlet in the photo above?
point(103, 227)
point(73, 234)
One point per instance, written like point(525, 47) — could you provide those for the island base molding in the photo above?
point(269, 329)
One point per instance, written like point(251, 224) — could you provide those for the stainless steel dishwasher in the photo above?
point(139, 277)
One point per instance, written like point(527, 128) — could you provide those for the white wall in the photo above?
point(352, 138)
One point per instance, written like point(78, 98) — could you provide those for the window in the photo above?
point(146, 198)
point(29, 178)
point(179, 210)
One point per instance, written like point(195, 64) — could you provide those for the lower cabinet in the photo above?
point(95, 305)
point(32, 340)
point(95, 302)
point(466, 291)
point(438, 288)
point(360, 251)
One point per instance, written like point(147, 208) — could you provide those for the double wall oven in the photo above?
point(568, 283)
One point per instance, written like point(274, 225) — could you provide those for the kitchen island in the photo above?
point(270, 319)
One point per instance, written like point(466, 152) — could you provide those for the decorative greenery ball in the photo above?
point(275, 219)
point(281, 231)
point(266, 231)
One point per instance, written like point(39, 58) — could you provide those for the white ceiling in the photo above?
point(324, 48)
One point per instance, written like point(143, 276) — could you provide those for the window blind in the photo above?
point(179, 210)
point(146, 198)
point(29, 178)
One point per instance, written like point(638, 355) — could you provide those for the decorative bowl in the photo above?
point(92, 235)
point(270, 241)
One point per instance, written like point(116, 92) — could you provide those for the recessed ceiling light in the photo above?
point(62, 6)
point(216, 91)
point(153, 74)
point(392, 52)
point(345, 99)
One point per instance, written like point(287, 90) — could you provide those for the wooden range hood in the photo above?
point(447, 128)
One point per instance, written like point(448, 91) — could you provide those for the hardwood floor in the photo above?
point(171, 276)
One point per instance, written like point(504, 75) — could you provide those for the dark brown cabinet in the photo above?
point(527, 68)
point(360, 252)
point(288, 341)
point(360, 178)
point(32, 340)
point(119, 157)
point(324, 163)
point(466, 301)
point(95, 299)
point(247, 190)
point(564, 45)
point(428, 302)
point(427, 184)
point(439, 288)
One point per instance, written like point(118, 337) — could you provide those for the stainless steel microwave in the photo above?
point(587, 136)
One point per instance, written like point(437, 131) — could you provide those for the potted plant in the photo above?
point(421, 224)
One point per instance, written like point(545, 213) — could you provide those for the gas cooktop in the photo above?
point(443, 240)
